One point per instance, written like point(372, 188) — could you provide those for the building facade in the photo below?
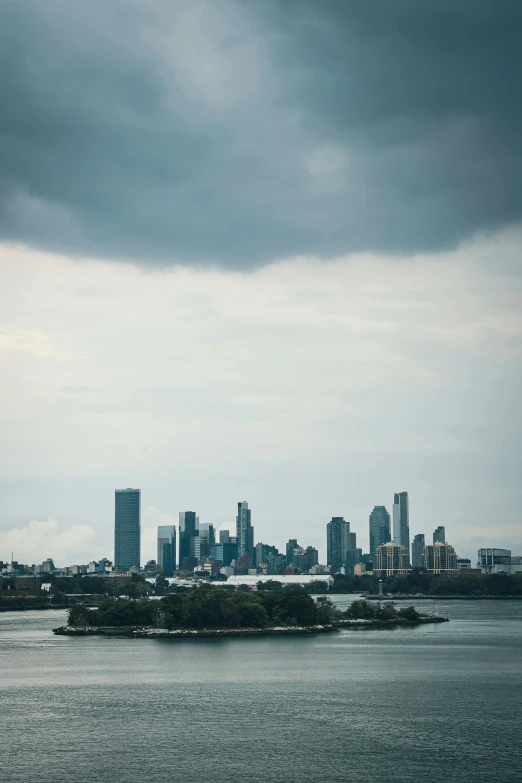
point(401, 520)
point(127, 530)
point(439, 535)
point(379, 528)
point(188, 531)
point(417, 551)
point(245, 532)
point(440, 558)
point(337, 542)
point(392, 559)
point(498, 561)
point(166, 557)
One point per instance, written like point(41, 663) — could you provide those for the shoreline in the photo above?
point(426, 597)
point(134, 632)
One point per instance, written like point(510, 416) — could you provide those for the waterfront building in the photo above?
point(127, 531)
point(285, 579)
point(463, 564)
point(188, 530)
point(166, 560)
point(401, 520)
point(440, 558)
point(439, 535)
point(498, 561)
point(245, 532)
point(337, 542)
point(391, 559)
point(417, 551)
point(353, 556)
point(379, 528)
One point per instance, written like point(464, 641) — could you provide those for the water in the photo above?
point(433, 703)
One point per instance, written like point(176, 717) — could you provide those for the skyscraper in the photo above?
point(245, 531)
point(207, 538)
point(401, 521)
point(290, 546)
point(166, 559)
point(439, 534)
point(127, 529)
point(337, 542)
point(379, 528)
point(417, 551)
point(188, 529)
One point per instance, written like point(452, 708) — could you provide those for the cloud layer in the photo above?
point(39, 540)
point(309, 389)
point(238, 133)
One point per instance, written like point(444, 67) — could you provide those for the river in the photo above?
point(432, 703)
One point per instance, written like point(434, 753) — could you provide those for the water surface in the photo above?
point(433, 703)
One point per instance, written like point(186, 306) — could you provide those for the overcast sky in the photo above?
point(259, 251)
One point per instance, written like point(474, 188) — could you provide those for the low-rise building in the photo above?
point(285, 579)
point(498, 561)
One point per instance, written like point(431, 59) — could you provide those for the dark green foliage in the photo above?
point(372, 610)
point(209, 606)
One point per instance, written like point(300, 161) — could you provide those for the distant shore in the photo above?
point(427, 597)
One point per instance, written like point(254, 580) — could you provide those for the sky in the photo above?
point(265, 252)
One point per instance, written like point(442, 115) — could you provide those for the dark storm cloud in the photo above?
point(242, 133)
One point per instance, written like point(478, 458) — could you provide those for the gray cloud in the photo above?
point(239, 133)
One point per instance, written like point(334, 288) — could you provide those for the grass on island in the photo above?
point(213, 607)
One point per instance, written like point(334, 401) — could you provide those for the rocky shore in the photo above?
point(287, 630)
point(187, 633)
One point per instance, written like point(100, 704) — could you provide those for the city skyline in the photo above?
point(314, 535)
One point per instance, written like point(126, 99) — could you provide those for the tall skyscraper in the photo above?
point(245, 531)
point(439, 535)
point(290, 546)
point(417, 551)
point(166, 559)
point(207, 538)
point(127, 529)
point(337, 542)
point(188, 530)
point(379, 528)
point(401, 520)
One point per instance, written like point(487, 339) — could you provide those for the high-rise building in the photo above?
point(379, 528)
point(401, 520)
point(127, 529)
point(337, 542)
point(391, 559)
point(417, 551)
point(207, 538)
point(166, 560)
point(440, 558)
point(188, 530)
point(224, 536)
point(224, 553)
point(290, 546)
point(245, 532)
point(439, 534)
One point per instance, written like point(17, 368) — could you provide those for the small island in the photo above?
point(211, 611)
